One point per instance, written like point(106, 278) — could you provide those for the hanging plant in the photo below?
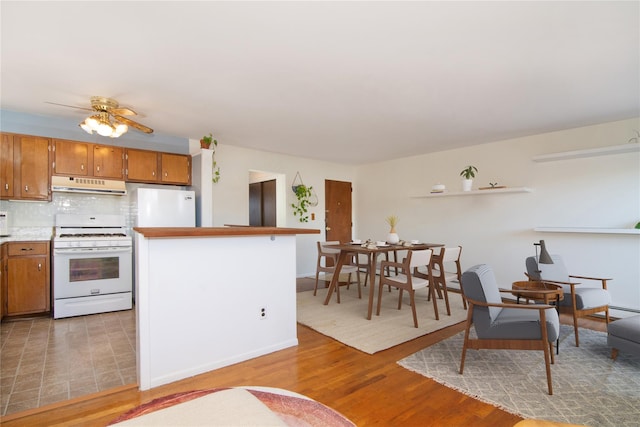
point(206, 142)
point(303, 194)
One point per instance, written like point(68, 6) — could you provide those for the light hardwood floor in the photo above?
point(371, 390)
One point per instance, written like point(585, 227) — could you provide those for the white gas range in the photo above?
point(92, 265)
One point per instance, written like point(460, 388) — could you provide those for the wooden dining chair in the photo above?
point(405, 279)
point(327, 262)
point(447, 272)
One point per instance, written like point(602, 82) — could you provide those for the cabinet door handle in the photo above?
point(153, 173)
point(26, 188)
point(166, 174)
point(98, 168)
point(6, 186)
point(39, 266)
point(26, 249)
point(81, 166)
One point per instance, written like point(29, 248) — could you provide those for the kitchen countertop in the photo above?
point(27, 234)
point(151, 232)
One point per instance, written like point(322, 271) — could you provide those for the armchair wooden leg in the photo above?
point(575, 327)
point(400, 298)
point(315, 288)
point(379, 296)
point(413, 306)
point(432, 292)
point(466, 337)
point(547, 357)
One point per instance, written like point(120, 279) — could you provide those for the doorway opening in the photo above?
point(267, 199)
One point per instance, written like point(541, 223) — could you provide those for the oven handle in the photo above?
point(111, 250)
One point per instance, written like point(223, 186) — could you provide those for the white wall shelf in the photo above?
point(477, 192)
point(593, 230)
point(631, 147)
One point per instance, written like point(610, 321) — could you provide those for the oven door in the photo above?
point(91, 271)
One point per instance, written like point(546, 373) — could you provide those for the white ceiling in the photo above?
point(350, 82)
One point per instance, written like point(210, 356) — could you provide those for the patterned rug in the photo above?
point(237, 406)
point(588, 387)
point(347, 322)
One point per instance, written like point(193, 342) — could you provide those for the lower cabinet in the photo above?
point(26, 278)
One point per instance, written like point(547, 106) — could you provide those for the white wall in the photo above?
point(498, 229)
point(231, 193)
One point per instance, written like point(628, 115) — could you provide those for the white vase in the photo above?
point(393, 238)
point(466, 184)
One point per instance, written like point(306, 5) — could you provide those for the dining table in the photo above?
point(372, 251)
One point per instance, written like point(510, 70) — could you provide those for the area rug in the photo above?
point(237, 406)
point(347, 321)
point(589, 388)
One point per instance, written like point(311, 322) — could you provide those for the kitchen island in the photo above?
point(211, 297)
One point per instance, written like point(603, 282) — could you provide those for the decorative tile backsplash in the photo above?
point(41, 214)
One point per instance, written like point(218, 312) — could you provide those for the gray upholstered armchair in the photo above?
point(580, 300)
point(506, 326)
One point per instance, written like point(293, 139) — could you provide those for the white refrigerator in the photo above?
point(159, 207)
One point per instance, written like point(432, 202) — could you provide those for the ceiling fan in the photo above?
point(108, 119)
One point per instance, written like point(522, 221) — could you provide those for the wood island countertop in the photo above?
point(159, 232)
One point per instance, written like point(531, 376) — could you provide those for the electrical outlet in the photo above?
point(263, 313)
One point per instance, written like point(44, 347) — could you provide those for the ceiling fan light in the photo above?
point(92, 122)
point(86, 128)
point(105, 129)
point(121, 128)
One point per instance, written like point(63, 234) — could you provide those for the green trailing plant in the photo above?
point(469, 172)
point(300, 208)
point(206, 142)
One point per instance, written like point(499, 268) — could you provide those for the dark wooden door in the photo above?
point(337, 210)
point(262, 204)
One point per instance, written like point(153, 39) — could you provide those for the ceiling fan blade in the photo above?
point(133, 124)
point(70, 106)
point(123, 111)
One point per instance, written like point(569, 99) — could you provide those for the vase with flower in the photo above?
point(392, 237)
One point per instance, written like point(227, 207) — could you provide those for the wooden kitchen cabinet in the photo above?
point(27, 278)
point(3, 280)
point(108, 161)
point(72, 158)
point(31, 168)
point(6, 166)
point(143, 166)
point(176, 169)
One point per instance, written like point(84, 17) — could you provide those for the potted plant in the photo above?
point(303, 193)
point(205, 141)
point(392, 238)
point(468, 174)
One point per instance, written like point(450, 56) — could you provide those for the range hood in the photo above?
point(72, 184)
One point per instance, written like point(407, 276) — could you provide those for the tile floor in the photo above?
point(44, 361)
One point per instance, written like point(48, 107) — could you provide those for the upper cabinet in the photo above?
point(108, 161)
point(6, 166)
point(27, 163)
point(31, 173)
point(141, 165)
point(70, 158)
point(73, 158)
point(160, 168)
point(176, 169)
